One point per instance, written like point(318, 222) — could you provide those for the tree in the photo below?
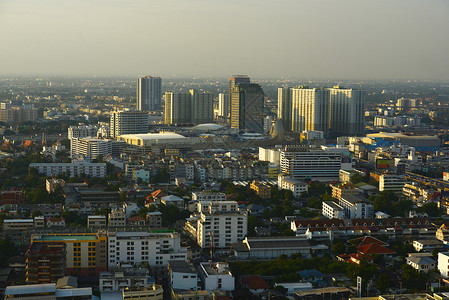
point(430, 208)
point(357, 178)
point(383, 282)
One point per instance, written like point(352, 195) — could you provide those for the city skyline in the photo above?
point(294, 39)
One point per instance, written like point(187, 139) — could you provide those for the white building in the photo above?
point(90, 147)
point(296, 186)
point(274, 247)
point(182, 276)
point(306, 163)
point(273, 155)
point(310, 109)
point(421, 263)
point(222, 223)
point(73, 169)
point(208, 196)
point(136, 247)
point(332, 210)
point(313, 135)
point(443, 263)
point(216, 276)
point(173, 200)
point(223, 105)
point(356, 207)
point(391, 182)
point(121, 279)
point(128, 122)
point(82, 131)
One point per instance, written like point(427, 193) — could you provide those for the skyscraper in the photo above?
point(178, 108)
point(190, 107)
point(247, 107)
point(149, 93)
point(285, 107)
point(223, 105)
point(235, 79)
point(347, 111)
point(202, 107)
point(310, 109)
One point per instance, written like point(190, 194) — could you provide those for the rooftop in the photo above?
point(62, 237)
point(154, 136)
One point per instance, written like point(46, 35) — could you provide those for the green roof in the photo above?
point(44, 237)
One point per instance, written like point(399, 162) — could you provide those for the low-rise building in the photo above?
point(117, 218)
point(73, 169)
point(421, 263)
point(18, 224)
point(356, 207)
point(85, 252)
point(332, 210)
point(183, 276)
point(274, 247)
point(121, 279)
point(55, 222)
point(391, 182)
point(156, 247)
point(261, 190)
point(45, 262)
point(296, 186)
point(216, 276)
point(96, 221)
point(341, 189)
point(208, 196)
point(428, 245)
point(154, 219)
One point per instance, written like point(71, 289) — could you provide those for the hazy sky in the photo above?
point(347, 39)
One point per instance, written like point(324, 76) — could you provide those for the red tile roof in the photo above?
point(255, 283)
point(366, 240)
point(374, 249)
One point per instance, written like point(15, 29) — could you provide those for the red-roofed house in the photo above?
point(255, 284)
point(374, 249)
point(55, 222)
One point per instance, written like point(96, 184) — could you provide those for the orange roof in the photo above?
point(27, 143)
point(157, 194)
point(255, 282)
point(374, 249)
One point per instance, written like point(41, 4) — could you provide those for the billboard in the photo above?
point(382, 163)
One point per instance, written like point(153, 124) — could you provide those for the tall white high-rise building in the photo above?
point(347, 111)
point(223, 105)
point(149, 93)
point(310, 109)
point(128, 122)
